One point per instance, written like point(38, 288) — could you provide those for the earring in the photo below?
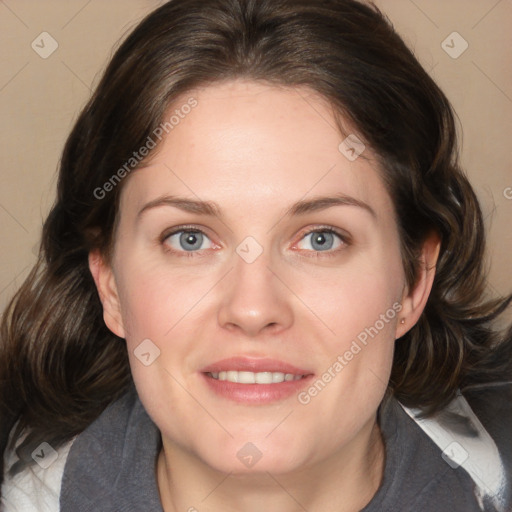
point(402, 321)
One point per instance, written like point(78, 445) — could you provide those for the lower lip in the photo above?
point(256, 393)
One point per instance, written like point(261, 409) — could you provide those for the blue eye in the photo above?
point(321, 240)
point(188, 240)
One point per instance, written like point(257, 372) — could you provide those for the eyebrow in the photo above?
point(188, 205)
point(303, 207)
point(324, 202)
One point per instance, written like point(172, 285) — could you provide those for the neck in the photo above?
point(344, 482)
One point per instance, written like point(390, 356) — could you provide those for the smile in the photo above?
point(244, 377)
point(255, 380)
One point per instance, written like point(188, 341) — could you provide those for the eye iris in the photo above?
point(322, 241)
point(191, 241)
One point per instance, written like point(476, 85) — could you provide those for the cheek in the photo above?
point(361, 308)
point(156, 296)
point(352, 297)
point(360, 305)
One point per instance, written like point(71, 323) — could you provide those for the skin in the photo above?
point(255, 150)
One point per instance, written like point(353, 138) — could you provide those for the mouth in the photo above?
point(255, 381)
point(244, 377)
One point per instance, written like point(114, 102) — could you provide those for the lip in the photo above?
point(248, 364)
point(255, 394)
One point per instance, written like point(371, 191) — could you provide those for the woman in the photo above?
point(261, 284)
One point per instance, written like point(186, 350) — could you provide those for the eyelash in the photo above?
point(345, 239)
point(181, 229)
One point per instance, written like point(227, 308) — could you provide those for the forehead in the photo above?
point(249, 143)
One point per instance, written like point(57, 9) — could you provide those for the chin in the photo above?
point(244, 457)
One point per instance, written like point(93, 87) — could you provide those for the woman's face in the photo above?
point(252, 244)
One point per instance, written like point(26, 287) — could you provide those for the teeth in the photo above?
point(254, 378)
point(231, 376)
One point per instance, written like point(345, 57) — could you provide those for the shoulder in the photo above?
point(99, 465)
point(111, 465)
point(37, 488)
point(473, 434)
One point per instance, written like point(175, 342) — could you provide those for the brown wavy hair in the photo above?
point(59, 364)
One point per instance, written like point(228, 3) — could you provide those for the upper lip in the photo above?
point(249, 364)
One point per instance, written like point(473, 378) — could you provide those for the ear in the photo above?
point(107, 290)
point(414, 300)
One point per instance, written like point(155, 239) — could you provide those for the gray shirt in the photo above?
point(111, 465)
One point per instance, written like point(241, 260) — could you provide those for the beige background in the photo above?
point(40, 98)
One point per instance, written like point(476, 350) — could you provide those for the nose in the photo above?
point(254, 300)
